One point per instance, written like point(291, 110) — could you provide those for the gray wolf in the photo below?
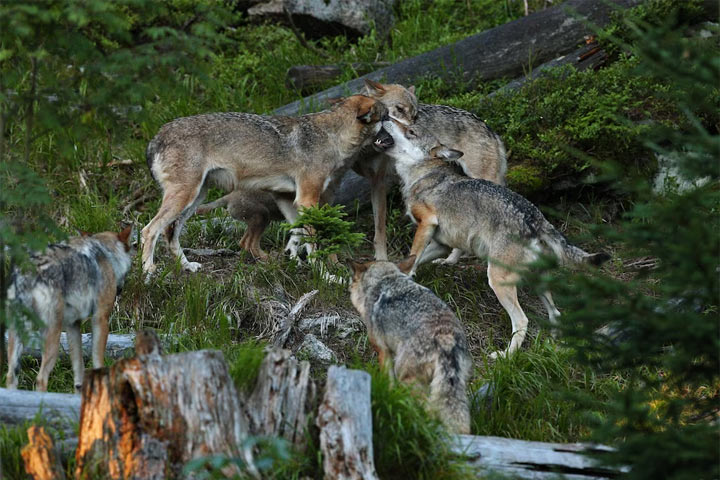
point(486, 159)
point(474, 215)
point(417, 337)
point(74, 280)
point(300, 155)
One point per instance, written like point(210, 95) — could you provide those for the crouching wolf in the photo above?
point(74, 280)
point(416, 336)
point(474, 215)
point(299, 155)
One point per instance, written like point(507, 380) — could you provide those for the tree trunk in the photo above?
point(41, 462)
point(504, 51)
point(345, 423)
point(145, 417)
point(308, 77)
point(283, 398)
point(532, 460)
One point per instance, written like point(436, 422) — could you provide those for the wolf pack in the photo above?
point(451, 169)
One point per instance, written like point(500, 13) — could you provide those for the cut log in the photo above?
point(307, 77)
point(503, 51)
point(345, 423)
point(145, 417)
point(39, 457)
point(282, 399)
point(61, 410)
point(532, 460)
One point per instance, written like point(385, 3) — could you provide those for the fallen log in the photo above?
point(345, 423)
point(283, 397)
point(39, 456)
point(532, 460)
point(307, 77)
point(503, 51)
point(118, 346)
point(61, 410)
point(146, 417)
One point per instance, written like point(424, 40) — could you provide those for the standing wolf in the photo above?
point(302, 155)
point(485, 158)
point(74, 280)
point(474, 215)
point(416, 336)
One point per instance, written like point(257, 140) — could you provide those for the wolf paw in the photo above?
point(445, 261)
point(192, 266)
point(498, 354)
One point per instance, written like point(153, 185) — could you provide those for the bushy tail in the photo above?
point(448, 389)
point(566, 252)
point(209, 207)
point(502, 155)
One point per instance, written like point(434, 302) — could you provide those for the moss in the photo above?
point(525, 179)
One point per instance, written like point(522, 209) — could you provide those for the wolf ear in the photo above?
point(374, 89)
point(364, 112)
point(83, 233)
point(406, 265)
point(411, 89)
point(358, 267)
point(447, 153)
point(126, 235)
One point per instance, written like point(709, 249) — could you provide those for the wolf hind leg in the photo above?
point(553, 312)
point(53, 318)
point(503, 282)
point(175, 200)
point(174, 230)
point(74, 338)
point(15, 348)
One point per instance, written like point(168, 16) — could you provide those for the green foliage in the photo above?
point(606, 114)
point(666, 339)
point(244, 361)
point(408, 442)
point(532, 396)
point(267, 452)
point(330, 233)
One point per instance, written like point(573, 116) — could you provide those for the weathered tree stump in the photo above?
point(345, 422)
point(283, 398)
point(39, 456)
point(145, 417)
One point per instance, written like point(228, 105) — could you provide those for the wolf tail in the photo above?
point(150, 155)
point(567, 252)
point(502, 155)
point(448, 389)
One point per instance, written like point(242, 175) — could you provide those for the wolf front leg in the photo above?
point(427, 224)
point(378, 198)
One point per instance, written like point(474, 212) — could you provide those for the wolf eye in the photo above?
point(411, 133)
point(400, 109)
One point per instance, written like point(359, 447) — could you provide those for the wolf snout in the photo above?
point(383, 140)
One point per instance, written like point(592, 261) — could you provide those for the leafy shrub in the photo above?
point(331, 233)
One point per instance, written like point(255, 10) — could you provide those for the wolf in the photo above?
point(474, 215)
point(73, 280)
point(486, 158)
point(299, 155)
point(417, 337)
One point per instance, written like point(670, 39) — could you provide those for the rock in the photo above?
point(320, 18)
point(343, 325)
point(669, 178)
point(314, 349)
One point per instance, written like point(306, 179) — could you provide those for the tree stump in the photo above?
point(145, 417)
point(345, 422)
point(41, 462)
point(282, 400)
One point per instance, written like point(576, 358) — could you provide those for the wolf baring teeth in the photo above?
point(474, 215)
point(76, 279)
